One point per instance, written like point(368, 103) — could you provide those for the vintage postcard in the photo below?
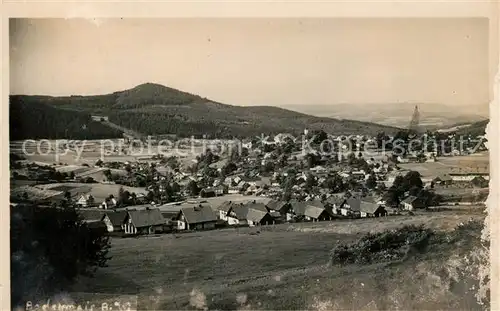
point(251, 163)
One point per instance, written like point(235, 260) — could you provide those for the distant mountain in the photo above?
point(31, 118)
point(154, 109)
point(432, 116)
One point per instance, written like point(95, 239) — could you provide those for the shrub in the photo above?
point(384, 246)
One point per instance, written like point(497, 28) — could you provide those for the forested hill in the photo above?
point(37, 120)
point(155, 109)
point(475, 129)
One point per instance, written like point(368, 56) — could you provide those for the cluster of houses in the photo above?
point(200, 215)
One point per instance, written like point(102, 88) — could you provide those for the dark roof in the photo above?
point(96, 225)
point(240, 211)
point(335, 200)
point(276, 205)
point(354, 203)
point(117, 217)
point(255, 215)
point(199, 214)
point(146, 218)
point(309, 209)
point(257, 206)
point(409, 199)
point(225, 206)
point(368, 207)
point(91, 214)
point(248, 212)
point(313, 211)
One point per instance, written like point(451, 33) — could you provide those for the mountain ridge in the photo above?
point(154, 109)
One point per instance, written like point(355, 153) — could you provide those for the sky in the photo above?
point(258, 61)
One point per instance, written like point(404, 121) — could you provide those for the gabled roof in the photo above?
point(255, 215)
point(354, 203)
point(198, 214)
point(146, 218)
point(335, 200)
point(368, 207)
point(240, 211)
point(371, 199)
point(313, 211)
point(257, 206)
point(225, 206)
point(116, 218)
point(307, 209)
point(91, 214)
point(276, 205)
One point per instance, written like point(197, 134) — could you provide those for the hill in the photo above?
point(154, 109)
point(432, 116)
point(32, 118)
point(474, 129)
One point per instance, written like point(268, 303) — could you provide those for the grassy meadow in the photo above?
point(277, 267)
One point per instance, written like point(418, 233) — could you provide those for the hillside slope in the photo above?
point(475, 129)
point(155, 109)
point(30, 118)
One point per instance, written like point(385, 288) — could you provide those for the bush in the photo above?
point(385, 246)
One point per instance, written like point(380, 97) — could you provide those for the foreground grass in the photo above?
point(279, 268)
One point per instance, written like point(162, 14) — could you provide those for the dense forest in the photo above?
point(153, 109)
point(35, 120)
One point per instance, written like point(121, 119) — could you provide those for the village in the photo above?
point(260, 183)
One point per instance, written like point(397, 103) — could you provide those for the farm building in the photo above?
point(198, 217)
point(223, 209)
point(281, 207)
point(311, 211)
point(249, 214)
point(85, 200)
point(370, 209)
point(412, 202)
point(335, 204)
point(351, 206)
point(115, 220)
point(444, 179)
point(90, 214)
point(146, 221)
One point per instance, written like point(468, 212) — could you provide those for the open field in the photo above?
point(98, 191)
point(445, 165)
point(281, 267)
point(88, 152)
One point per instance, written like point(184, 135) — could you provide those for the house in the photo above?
point(115, 221)
point(309, 211)
point(223, 209)
point(444, 179)
point(85, 200)
point(335, 203)
point(412, 202)
point(198, 217)
point(351, 206)
point(108, 203)
point(249, 214)
point(146, 221)
point(283, 208)
point(371, 209)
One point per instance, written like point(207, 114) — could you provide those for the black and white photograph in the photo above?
point(249, 163)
